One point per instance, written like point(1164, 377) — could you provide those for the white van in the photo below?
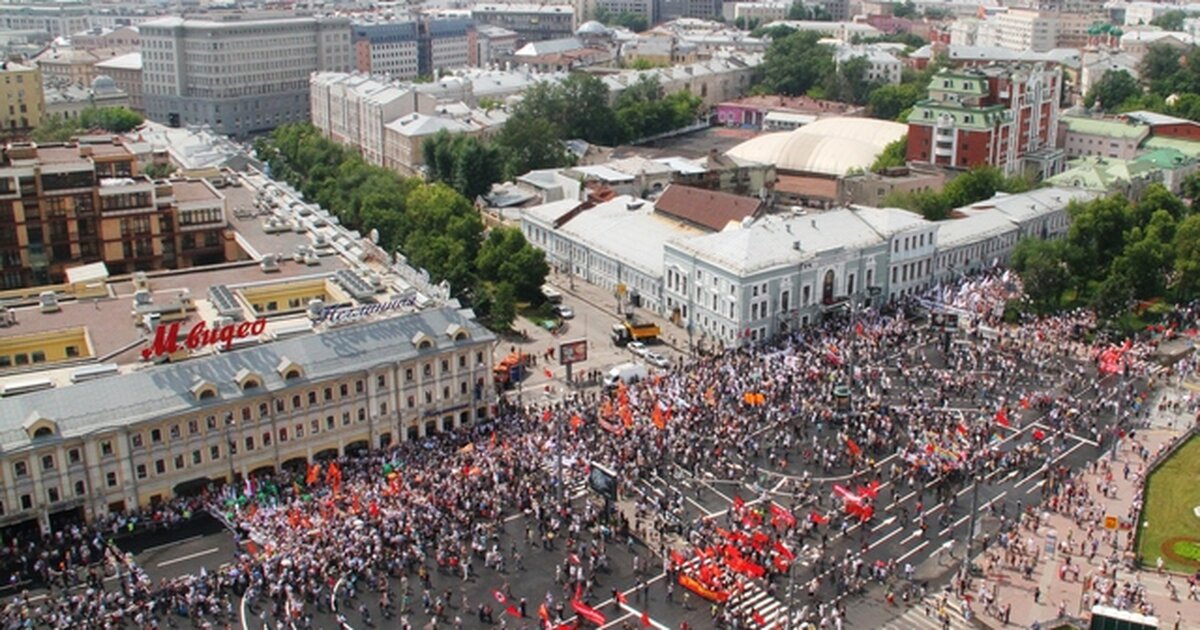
point(627, 373)
point(551, 294)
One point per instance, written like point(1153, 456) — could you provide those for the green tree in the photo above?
point(506, 257)
point(1170, 21)
point(158, 171)
point(476, 167)
point(585, 112)
point(801, 11)
point(1187, 258)
point(504, 306)
point(529, 142)
point(889, 101)
point(1159, 67)
point(904, 10)
point(1112, 90)
point(441, 233)
point(894, 154)
point(849, 83)
point(1043, 270)
point(114, 119)
point(796, 63)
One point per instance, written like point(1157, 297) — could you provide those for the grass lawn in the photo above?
point(1171, 497)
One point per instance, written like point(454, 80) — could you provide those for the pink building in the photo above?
point(752, 111)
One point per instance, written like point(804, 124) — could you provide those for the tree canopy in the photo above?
point(56, 128)
point(433, 225)
point(975, 185)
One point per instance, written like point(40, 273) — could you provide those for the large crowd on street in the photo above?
point(769, 414)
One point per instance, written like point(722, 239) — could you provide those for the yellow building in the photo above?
point(112, 443)
point(21, 100)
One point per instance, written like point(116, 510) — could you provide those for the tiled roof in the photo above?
point(707, 208)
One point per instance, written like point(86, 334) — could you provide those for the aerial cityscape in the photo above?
point(576, 314)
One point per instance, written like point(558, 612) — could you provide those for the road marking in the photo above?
point(172, 544)
point(885, 523)
point(619, 619)
point(633, 611)
point(1035, 486)
point(908, 554)
point(1031, 476)
point(885, 538)
point(167, 563)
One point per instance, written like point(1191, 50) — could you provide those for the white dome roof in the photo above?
point(829, 146)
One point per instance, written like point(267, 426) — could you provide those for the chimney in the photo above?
point(85, 151)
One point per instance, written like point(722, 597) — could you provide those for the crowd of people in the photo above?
point(770, 414)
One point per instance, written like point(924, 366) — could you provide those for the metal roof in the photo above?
point(167, 390)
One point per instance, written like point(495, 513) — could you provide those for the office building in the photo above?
point(531, 22)
point(59, 20)
point(238, 74)
point(388, 50)
point(126, 71)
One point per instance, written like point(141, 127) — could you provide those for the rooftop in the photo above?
point(166, 389)
point(1109, 127)
point(709, 209)
point(128, 61)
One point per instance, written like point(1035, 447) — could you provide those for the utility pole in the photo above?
point(971, 526)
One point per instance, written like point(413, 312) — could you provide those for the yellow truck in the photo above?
point(632, 330)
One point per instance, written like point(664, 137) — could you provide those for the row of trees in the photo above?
point(534, 135)
point(434, 226)
point(975, 185)
point(1117, 251)
point(56, 128)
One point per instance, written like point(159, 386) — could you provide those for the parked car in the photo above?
point(637, 348)
point(657, 360)
point(564, 311)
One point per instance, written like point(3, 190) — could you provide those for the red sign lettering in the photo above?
point(200, 336)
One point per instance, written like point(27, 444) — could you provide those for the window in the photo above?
point(20, 469)
point(312, 398)
point(462, 361)
point(26, 502)
point(345, 418)
point(381, 381)
point(266, 439)
point(111, 479)
point(411, 402)
point(141, 471)
point(263, 410)
point(160, 466)
point(175, 432)
point(408, 375)
point(73, 456)
point(279, 405)
point(155, 436)
point(328, 393)
point(214, 453)
point(193, 427)
point(106, 448)
point(47, 462)
point(136, 440)
point(246, 414)
point(80, 489)
point(314, 427)
point(250, 443)
point(362, 415)
point(343, 390)
point(179, 462)
point(330, 423)
point(196, 458)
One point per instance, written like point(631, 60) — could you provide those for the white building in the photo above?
point(884, 66)
point(238, 75)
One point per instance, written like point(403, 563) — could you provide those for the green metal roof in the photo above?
point(1108, 128)
point(1187, 147)
point(1165, 158)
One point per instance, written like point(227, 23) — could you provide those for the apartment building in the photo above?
point(124, 38)
point(353, 110)
point(59, 20)
point(67, 204)
point(1004, 116)
point(492, 44)
point(22, 103)
point(883, 67)
point(112, 444)
point(531, 22)
point(73, 65)
point(445, 45)
point(238, 73)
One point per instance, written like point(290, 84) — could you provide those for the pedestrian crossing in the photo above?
point(754, 602)
point(933, 613)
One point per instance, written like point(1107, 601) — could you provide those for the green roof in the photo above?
point(959, 82)
point(981, 117)
point(1099, 173)
point(1186, 147)
point(1165, 158)
point(1107, 128)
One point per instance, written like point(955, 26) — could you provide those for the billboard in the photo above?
point(570, 352)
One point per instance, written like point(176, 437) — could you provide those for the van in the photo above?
point(627, 373)
point(551, 294)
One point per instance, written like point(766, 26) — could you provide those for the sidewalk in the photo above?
point(1059, 577)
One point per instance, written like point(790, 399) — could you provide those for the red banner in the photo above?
point(587, 612)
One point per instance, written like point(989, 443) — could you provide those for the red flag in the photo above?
point(1024, 403)
point(500, 598)
point(587, 612)
point(759, 619)
point(548, 372)
point(645, 619)
point(858, 329)
point(1002, 417)
point(544, 612)
point(784, 551)
point(1039, 435)
point(514, 611)
point(314, 474)
point(851, 446)
point(738, 502)
point(962, 428)
point(818, 518)
point(546, 415)
point(576, 421)
point(783, 514)
point(621, 598)
point(579, 591)
point(656, 416)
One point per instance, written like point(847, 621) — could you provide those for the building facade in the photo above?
point(388, 50)
point(531, 22)
point(65, 205)
point(129, 440)
point(1000, 116)
point(22, 102)
point(59, 21)
point(126, 71)
point(238, 75)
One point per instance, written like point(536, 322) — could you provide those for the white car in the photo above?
point(564, 311)
point(657, 360)
point(637, 348)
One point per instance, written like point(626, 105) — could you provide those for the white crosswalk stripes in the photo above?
point(755, 599)
point(932, 614)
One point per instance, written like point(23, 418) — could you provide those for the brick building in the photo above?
point(1004, 116)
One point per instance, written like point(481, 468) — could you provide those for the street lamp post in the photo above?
point(229, 445)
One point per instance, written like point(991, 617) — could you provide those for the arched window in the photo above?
point(43, 432)
point(827, 290)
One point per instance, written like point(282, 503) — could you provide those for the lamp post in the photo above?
point(230, 446)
